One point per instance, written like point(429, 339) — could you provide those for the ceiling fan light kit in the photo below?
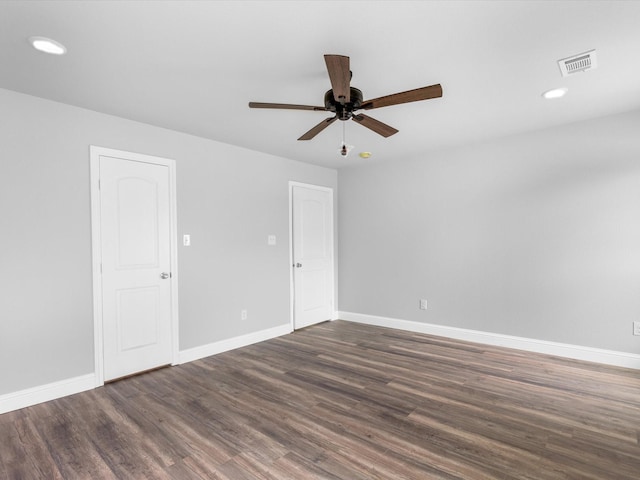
point(344, 101)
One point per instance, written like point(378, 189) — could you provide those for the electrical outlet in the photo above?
point(636, 328)
point(243, 315)
point(423, 304)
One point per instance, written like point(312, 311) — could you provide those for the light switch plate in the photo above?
point(186, 240)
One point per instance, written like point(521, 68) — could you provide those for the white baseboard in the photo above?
point(577, 352)
point(44, 393)
point(203, 351)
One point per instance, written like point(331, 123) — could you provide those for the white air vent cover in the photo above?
point(578, 63)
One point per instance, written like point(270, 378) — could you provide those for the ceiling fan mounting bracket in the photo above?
point(344, 111)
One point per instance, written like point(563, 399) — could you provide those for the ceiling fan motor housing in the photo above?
point(343, 111)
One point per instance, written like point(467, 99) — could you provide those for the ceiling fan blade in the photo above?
point(375, 125)
point(340, 76)
point(424, 93)
point(286, 106)
point(318, 128)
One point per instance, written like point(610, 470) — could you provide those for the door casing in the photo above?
point(95, 153)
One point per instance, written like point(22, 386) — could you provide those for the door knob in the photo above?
point(165, 275)
point(298, 265)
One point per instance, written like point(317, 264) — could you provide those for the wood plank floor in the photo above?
point(341, 401)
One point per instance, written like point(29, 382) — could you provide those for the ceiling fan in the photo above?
point(345, 100)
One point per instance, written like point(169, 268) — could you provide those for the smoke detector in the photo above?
point(578, 63)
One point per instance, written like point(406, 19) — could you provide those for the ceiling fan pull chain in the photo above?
point(345, 149)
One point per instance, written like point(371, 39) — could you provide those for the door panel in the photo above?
point(313, 290)
point(137, 223)
point(312, 254)
point(138, 319)
point(136, 251)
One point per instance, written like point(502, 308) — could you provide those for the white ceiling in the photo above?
point(194, 66)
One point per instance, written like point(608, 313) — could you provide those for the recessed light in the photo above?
point(47, 45)
point(365, 154)
point(555, 93)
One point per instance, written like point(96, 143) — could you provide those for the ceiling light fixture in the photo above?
point(365, 154)
point(47, 45)
point(555, 93)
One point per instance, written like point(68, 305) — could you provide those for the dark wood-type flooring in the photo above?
point(341, 401)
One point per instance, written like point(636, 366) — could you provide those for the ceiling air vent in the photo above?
point(578, 63)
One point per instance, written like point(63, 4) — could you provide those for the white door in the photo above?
point(312, 253)
point(135, 253)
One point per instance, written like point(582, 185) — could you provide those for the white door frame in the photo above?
point(333, 259)
point(95, 154)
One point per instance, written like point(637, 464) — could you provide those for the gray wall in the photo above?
point(229, 200)
point(536, 235)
